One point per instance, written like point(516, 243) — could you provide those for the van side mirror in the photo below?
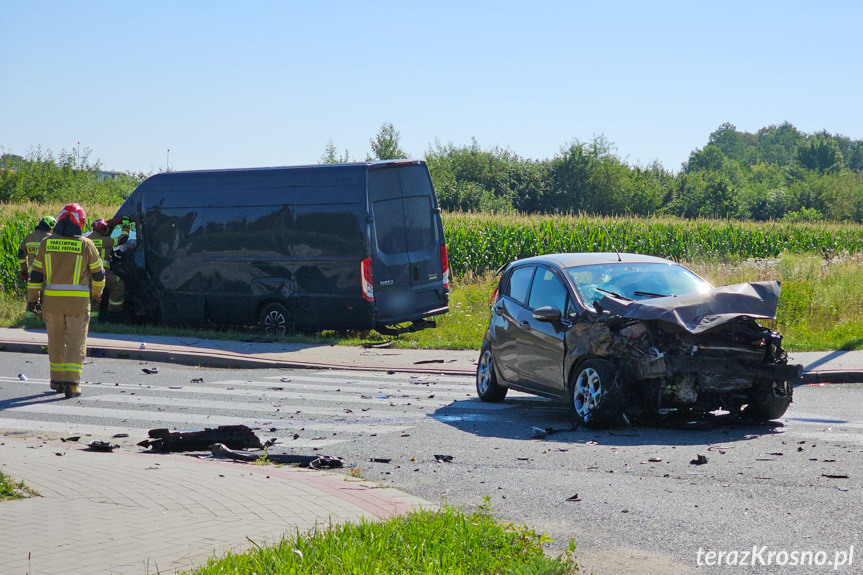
point(547, 314)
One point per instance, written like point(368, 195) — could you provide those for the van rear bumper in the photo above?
point(411, 317)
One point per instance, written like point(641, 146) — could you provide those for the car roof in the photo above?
point(570, 260)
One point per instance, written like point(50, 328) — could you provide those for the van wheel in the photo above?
point(275, 319)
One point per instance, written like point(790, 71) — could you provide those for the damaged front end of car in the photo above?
point(700, 352)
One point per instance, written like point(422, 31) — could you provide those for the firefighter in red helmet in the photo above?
point(114, 286)
point(65, 262)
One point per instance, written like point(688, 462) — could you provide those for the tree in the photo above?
point(330, 155)
point(820, 154)
point(385, 145)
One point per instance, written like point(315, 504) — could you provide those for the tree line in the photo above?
point(776, 173)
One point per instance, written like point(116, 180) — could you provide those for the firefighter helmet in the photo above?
point(100, 226)
point(49, 222)
point(74, 213)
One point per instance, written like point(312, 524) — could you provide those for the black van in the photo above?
point(331, 246)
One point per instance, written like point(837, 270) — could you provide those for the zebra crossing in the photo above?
point(302, 408)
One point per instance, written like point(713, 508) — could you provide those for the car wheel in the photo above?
point(275, 320)
point(595, 397)
point(769, 400)
point(487, 386)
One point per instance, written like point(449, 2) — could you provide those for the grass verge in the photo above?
point(446, 541)
point(10, 489)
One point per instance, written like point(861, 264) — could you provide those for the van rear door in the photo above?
point(406, 250)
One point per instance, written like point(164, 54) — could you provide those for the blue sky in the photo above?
point(241, 84)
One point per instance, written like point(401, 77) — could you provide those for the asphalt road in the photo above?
point(790, 487)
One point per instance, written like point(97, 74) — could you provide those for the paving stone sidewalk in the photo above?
point(141, 513)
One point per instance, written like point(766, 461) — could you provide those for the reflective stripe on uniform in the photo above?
point(67, 290)
point(76, 367)
point(33, 247)
point(47, 267)
point(58, 293)
point(31, 285)
point(76, 275)
point(99, 283)
point(95, 265)
point(37, 264)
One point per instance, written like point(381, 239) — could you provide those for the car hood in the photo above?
point(699, 312)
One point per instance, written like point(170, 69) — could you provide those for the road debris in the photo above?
point(834, 475)
point(423, 361)
point(310, 461)
point(102, 447)
point(150, 370)
point(700, 460)
point(73, 438)
point(380, 460)
point(234, 436)
point(197, 380)
point(377, 345)
point(443, 458)
point(573, 498)
point(22, 377)
point(654, 459)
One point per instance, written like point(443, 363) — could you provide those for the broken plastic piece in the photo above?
point(234, 436)
point(443, 458)
point(102, 446)
point(312, 461)
point(574, 498)
point(700, 460)
point(150, 370)
point(380, 460)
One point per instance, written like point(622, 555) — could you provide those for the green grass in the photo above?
point(448, 541)
point(10, 489)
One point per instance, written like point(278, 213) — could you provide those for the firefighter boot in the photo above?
point(72, 390)
point(57, 386)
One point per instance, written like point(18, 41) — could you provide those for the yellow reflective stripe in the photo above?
point(99, 283)
point(76, 275)
point(48, 267)
point(37, 264)
point(31, 285)
point(95, 265)
point(22, 260)
point(63, 293)
point(76, 367)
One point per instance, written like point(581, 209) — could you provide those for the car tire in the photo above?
point(768, 400)
point(487, 387)
point(595, 398)
point(275, 320)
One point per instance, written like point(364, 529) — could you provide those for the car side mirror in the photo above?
point(547, 314)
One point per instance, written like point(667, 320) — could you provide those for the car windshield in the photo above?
point(634, 281)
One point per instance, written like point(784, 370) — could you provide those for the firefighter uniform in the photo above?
point(64, 264)
point(27, 253)
point(113, 284)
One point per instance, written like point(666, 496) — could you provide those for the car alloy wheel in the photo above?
point(588, 393)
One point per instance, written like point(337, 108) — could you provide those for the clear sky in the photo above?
point(242, 84)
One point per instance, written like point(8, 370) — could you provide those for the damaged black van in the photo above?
point(332, 246)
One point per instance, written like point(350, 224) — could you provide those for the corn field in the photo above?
point(478, 243)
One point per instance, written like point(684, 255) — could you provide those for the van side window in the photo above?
point(518, 284)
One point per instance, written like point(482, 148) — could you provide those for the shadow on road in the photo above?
point(40, 398)
point(520, 418)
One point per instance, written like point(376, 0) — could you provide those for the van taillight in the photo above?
point(368, 284)
point(444, 266)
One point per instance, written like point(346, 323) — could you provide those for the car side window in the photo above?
point(518, 284)
point(547, 289)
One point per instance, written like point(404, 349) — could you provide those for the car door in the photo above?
point(509, 306)
point(541, 343)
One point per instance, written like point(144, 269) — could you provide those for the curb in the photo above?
point(831, 376)
point(220, 359)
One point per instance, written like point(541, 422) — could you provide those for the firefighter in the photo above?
point(114, 286)
point(30, 247)
point(64, 263)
